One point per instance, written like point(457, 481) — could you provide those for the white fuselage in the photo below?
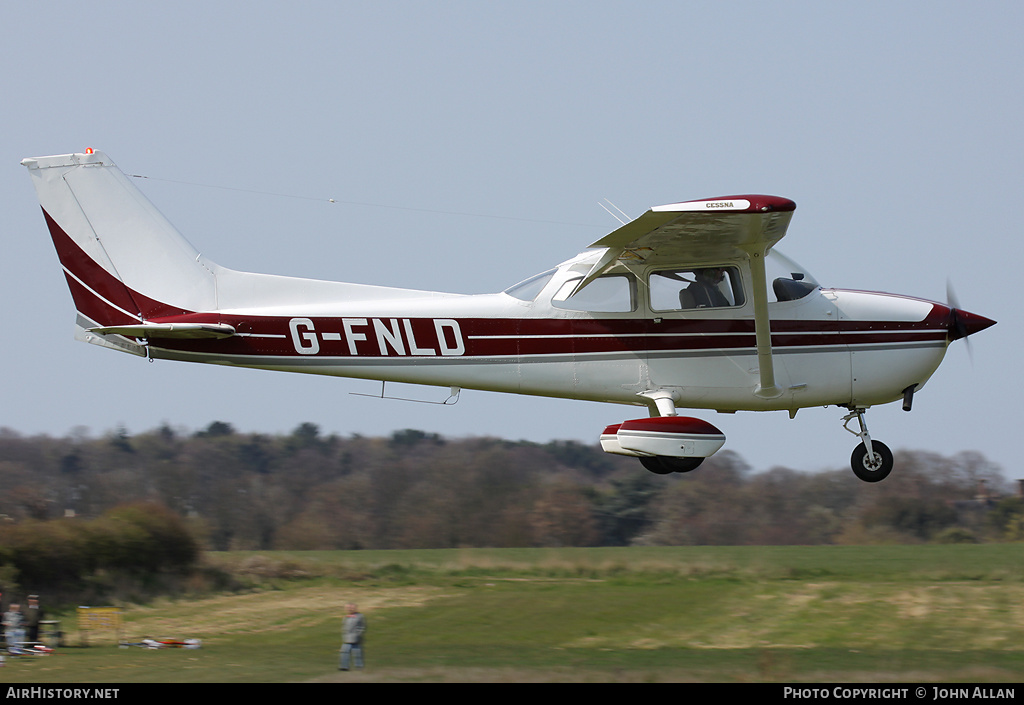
point(831, 346)
point(674, 309)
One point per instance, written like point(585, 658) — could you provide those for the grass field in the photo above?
point(724, 614)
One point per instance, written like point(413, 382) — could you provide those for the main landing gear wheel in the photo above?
point(665, 465)
point(874, 468)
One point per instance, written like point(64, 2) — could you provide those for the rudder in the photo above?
point(124, 262)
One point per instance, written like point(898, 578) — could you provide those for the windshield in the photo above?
point(779, 265)
point(787, 280)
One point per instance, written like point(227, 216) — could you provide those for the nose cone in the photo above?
point(963, 323)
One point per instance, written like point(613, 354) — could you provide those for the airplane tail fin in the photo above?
point(124, 262)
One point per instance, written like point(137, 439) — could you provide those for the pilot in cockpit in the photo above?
point(704, 292)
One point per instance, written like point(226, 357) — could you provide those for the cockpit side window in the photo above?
point(614, 293)
point(697, 288)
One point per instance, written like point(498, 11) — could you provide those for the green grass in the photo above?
point(739, 614)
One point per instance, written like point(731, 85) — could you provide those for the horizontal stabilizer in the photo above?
point(169, 330)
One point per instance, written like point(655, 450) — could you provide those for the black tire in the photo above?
point(872, 471)
point(665, 465)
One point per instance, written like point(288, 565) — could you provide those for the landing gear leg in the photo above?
point(871, 460)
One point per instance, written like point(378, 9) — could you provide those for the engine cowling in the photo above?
point(667, 436)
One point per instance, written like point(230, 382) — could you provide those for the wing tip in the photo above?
point(750, 203)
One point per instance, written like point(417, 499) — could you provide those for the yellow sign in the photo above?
point(97, 619)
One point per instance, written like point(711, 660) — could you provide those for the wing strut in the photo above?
point(767, 389)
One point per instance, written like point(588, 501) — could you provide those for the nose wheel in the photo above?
point(871, 460)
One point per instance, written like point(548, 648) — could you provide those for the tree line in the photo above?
point(306, 490)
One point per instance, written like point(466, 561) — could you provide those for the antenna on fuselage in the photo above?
point(623, 222)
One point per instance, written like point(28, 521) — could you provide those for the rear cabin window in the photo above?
point(527, 290)
point(609, 294)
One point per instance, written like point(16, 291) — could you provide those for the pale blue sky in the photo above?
point(487, 132)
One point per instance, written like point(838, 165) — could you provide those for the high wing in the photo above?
point(705, 231)
point(696, 231)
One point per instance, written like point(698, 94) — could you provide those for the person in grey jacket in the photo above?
point(14, 632)
point(353, 628)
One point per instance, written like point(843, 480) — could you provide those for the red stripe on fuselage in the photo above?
point(97, 293)
point(502, 337)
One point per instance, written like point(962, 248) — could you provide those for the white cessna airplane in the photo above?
point(678, 309)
